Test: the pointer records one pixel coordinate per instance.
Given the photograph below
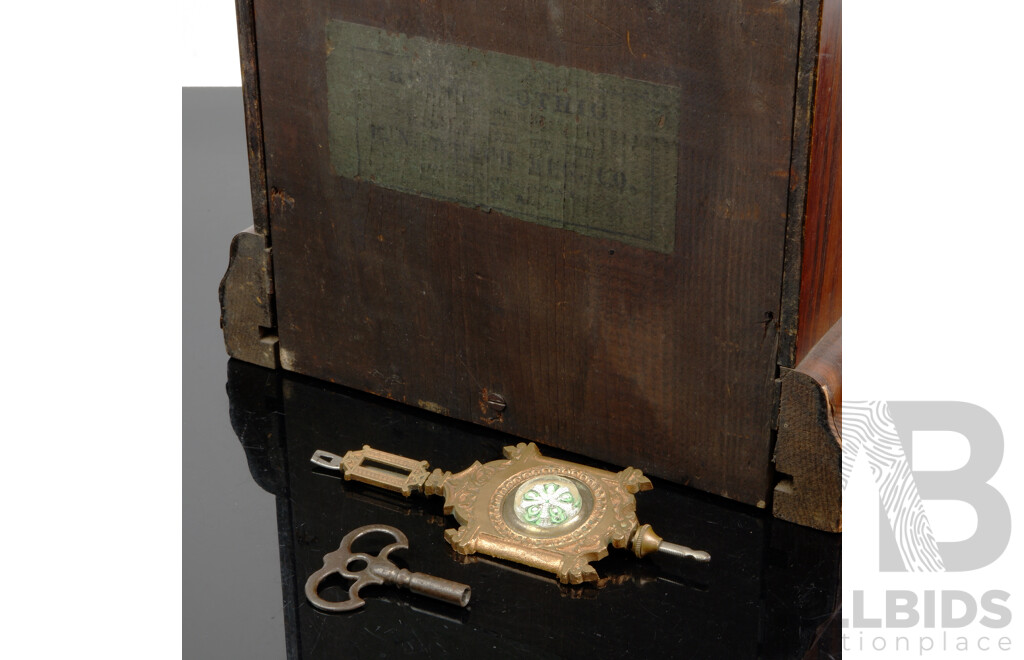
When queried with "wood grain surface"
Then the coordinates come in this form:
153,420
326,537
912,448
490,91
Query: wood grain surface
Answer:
661,361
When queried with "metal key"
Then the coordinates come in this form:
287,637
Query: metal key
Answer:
378,570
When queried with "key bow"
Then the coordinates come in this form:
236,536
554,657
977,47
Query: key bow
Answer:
378,568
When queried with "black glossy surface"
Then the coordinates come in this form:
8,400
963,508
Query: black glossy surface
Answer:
258,518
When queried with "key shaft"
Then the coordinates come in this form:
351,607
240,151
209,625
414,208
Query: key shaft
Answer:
431,586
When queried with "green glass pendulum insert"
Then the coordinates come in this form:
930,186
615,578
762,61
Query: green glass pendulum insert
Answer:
547,502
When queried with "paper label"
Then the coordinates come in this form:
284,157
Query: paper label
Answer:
588,152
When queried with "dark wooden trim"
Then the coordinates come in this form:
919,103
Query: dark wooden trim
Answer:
808,454
253,120
821,274
803,116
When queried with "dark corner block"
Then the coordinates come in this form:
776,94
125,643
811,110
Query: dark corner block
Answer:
246,302
808,454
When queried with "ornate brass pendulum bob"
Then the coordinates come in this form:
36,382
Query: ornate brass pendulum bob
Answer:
546,513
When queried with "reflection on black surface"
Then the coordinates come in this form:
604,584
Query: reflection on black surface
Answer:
769,591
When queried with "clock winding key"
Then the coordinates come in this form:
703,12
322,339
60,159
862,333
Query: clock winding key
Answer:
367,569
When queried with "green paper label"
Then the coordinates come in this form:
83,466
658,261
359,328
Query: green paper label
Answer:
588,152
